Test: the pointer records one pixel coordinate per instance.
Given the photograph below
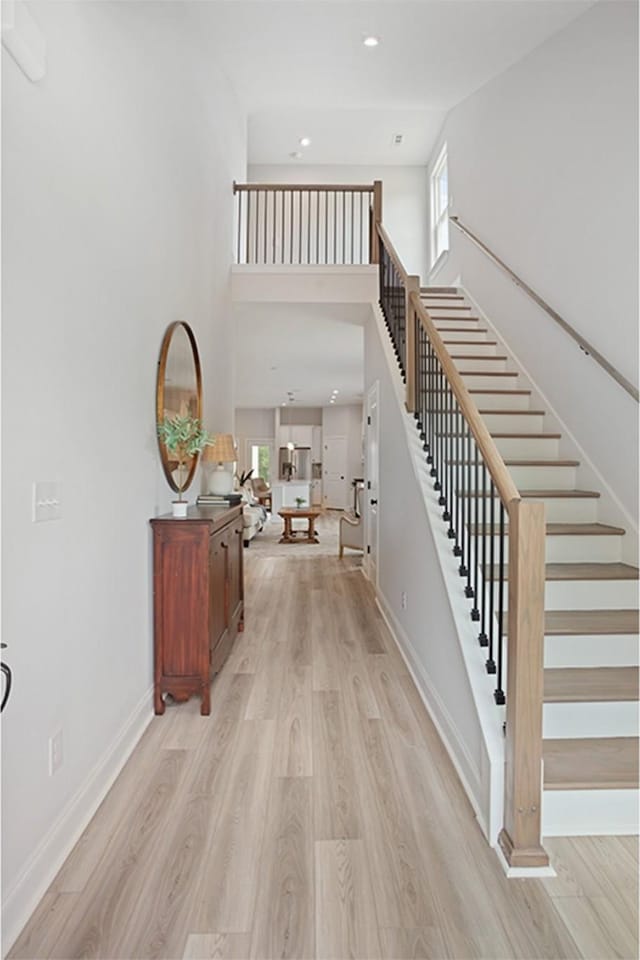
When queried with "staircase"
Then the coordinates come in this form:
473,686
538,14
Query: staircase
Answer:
590,715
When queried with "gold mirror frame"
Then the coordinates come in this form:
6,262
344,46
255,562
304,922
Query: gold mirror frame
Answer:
160,397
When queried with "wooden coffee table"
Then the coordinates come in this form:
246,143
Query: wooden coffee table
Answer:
299,536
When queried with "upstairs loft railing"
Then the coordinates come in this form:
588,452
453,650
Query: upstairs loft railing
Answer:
498,540
310,224
584,344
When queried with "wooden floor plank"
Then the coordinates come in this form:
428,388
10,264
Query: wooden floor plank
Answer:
335,794
217,946
284,920
294,724
346,920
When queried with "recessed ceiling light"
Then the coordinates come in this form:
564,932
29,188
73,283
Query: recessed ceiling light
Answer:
371,41
335,391
295,155
305,142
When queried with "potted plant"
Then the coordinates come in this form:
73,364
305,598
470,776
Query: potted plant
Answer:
300,502
184,438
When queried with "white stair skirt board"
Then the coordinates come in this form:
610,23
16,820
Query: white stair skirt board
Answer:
582,813
562,721
601,650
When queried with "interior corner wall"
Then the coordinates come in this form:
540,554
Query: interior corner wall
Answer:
543,167
404,200
346,421
117,220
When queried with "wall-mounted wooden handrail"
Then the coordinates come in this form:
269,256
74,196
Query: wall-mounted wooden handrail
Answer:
584,344
506,488
303,187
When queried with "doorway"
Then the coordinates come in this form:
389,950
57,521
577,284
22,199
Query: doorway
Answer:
334,473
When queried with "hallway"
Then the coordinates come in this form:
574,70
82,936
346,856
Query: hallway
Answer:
315,813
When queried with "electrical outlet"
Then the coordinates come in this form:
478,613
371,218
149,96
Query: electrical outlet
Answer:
55,753
404,600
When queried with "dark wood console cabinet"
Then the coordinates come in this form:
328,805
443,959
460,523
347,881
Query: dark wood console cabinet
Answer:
198,599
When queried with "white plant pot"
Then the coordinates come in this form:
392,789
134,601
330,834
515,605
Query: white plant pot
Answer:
180,508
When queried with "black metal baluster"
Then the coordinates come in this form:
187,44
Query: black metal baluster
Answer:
468,494
475,613
445,493
499,692
491,663
432,407
457,551
482,636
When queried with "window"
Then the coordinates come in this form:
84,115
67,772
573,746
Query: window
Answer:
261,461
439,207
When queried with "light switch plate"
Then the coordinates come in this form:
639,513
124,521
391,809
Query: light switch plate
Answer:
47,500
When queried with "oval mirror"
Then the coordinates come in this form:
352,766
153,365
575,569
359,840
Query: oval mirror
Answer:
178,393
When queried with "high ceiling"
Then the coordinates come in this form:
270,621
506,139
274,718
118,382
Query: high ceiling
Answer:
301,69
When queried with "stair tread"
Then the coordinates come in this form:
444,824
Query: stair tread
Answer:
476,356
490,392
488,373
590,622
439,318
455,306
583,571
561,530
469,343
591,763
513,413
542,463
463,329
435,290
590,684
538,494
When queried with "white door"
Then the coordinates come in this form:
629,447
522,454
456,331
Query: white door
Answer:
334,473
371,485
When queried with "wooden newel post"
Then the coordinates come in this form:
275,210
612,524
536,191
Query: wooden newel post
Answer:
413,286
520,838
376,219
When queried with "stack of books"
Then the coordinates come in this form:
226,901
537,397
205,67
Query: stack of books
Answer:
214,499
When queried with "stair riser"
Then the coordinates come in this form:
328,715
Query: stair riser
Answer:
574,549
617,650
581,720
559,509
461,321
487,382
478,336
534,448
478,349
588,595
579,813
507,401
591,595
485,364
544,478
513,423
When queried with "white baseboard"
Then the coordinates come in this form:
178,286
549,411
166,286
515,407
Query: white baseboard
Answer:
464,766
38,873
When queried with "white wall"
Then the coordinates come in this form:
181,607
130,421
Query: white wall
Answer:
346,421
117,204
543,166
404,200
435,630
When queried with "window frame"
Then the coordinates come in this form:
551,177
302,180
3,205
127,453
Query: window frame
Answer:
438,215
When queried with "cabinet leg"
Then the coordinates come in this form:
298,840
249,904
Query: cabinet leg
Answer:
205,708
241,624
158,702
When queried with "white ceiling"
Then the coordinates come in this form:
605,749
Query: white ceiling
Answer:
300,68
310,349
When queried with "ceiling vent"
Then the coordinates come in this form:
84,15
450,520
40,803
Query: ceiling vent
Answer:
397,140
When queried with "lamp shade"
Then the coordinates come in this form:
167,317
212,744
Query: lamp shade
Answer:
223,451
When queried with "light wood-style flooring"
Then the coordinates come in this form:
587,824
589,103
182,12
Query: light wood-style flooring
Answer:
315,813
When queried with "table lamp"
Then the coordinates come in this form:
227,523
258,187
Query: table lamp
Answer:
222,453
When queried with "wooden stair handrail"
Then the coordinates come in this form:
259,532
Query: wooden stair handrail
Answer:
506,488
584,344
304,187
391,250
